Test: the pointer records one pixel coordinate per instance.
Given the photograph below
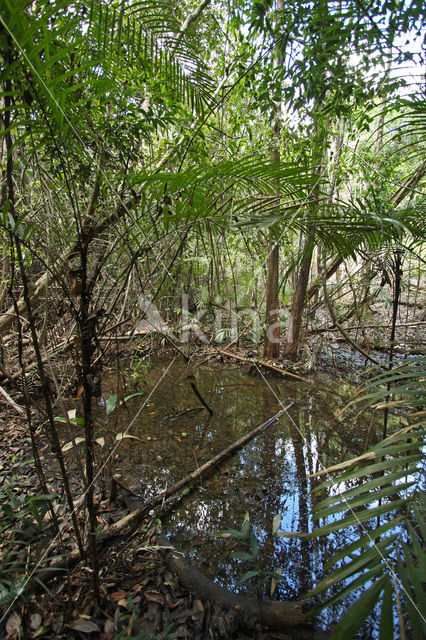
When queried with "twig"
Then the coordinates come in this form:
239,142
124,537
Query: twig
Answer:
200,398
8,399
261,363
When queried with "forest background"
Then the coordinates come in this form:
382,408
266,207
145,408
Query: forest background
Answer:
244,175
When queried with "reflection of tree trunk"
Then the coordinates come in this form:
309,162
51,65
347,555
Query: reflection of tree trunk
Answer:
272,502
303,489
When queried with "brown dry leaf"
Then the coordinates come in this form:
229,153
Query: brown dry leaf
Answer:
35,621
84,626
123,603
109,627
117,595
13,624
154,596
198,607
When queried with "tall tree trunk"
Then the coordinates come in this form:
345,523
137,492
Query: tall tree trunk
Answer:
318,164
291,350
271,345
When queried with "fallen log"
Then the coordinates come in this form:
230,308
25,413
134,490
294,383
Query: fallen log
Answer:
261,363
276,615
130,521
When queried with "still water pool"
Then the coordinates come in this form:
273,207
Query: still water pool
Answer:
268,477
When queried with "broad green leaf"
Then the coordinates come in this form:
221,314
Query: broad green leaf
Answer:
253,546
134,395
246,525
111,403
79,421
241,555
36,513
248,575
274,581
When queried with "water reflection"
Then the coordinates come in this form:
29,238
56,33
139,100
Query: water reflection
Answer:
270,475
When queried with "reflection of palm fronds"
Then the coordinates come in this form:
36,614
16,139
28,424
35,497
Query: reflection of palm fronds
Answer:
378,499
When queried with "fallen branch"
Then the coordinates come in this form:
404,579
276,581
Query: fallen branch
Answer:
200,398
261,363
273,614
131,520
12,403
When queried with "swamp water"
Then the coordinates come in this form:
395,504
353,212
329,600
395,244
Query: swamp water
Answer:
269,475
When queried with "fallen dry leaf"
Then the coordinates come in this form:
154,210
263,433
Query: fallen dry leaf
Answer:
35,621
117,595
154,596
84,626
13,624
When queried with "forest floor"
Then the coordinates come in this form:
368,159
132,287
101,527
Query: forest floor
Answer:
140,597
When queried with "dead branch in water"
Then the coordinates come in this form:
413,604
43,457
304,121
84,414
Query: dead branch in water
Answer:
131,519
262,363
200,398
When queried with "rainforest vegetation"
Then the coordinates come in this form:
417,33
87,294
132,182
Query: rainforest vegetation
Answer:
201,199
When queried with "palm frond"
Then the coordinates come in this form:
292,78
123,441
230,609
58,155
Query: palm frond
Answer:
378,500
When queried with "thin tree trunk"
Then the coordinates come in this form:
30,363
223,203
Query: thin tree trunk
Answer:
291,350
271,345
